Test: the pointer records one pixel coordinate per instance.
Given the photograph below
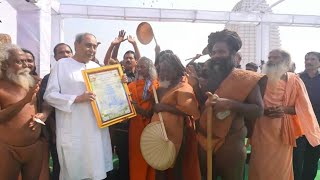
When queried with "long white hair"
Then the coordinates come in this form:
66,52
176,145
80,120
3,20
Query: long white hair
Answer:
22,77
151,68
5,53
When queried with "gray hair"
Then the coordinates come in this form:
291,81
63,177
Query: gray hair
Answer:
284,54
5,50
80,36
151,68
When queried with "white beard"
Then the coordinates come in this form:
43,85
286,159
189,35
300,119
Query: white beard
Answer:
22,78
275,72
164,83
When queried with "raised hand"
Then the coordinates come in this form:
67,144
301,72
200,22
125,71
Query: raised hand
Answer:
157,49
122,33
131,39
117,41
31,95
120,38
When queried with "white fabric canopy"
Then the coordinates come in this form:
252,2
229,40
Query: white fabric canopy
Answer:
39,26
180,15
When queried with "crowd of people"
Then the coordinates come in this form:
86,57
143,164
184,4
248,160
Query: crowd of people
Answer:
277,110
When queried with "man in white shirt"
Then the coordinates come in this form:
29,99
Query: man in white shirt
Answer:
84,149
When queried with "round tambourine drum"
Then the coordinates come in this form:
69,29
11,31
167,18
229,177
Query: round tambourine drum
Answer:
144,33
158,152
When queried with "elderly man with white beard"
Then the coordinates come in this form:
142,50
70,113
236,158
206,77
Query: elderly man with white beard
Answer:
288,114
21,147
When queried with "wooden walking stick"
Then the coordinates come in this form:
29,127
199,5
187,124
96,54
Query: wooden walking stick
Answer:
209,143
211,97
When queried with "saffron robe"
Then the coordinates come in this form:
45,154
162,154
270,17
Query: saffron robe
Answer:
273,139
180,129
236,86
139,169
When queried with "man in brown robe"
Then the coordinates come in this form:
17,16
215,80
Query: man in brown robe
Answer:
179,109
239,94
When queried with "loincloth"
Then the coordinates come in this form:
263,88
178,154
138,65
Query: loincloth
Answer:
21,154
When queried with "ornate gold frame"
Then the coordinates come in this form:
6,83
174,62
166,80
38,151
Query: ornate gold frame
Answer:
87,74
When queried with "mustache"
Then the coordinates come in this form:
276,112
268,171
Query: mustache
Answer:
21,78
307,64
222,63
24,71
219,60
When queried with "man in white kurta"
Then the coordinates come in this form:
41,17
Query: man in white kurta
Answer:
83,148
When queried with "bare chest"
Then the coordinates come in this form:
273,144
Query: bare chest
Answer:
10,95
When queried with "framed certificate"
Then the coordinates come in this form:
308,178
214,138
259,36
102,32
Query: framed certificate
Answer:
113,102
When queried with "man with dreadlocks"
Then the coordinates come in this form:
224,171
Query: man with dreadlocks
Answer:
179,109
142,97
239,97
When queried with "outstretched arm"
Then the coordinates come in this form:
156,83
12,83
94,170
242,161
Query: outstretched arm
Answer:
114,46
121,35
157,50
135,46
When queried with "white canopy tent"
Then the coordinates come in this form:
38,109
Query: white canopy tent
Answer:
40,25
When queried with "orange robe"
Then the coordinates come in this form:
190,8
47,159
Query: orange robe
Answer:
180,130
236,86
273,139
139,169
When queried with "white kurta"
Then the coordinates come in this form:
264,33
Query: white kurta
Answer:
84,149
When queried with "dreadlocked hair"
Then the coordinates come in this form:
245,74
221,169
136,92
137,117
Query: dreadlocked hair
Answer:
173,60
232,39
156,62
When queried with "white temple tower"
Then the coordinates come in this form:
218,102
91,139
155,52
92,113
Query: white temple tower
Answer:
253,35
